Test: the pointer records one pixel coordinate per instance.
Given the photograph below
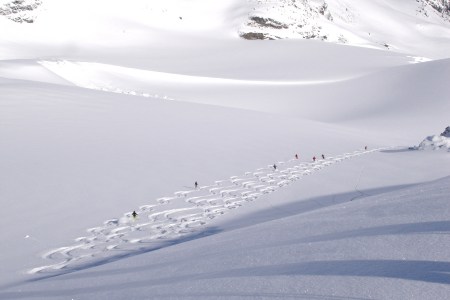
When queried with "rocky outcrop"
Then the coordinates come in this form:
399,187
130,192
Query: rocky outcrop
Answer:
436,142
20,11
446,132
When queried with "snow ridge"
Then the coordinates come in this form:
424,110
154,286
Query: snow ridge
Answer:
180,215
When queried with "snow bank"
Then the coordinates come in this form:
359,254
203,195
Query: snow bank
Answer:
437,142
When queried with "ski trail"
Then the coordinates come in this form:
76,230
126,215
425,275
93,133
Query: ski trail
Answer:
183,213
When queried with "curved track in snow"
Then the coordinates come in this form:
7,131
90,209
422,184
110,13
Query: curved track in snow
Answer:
183,214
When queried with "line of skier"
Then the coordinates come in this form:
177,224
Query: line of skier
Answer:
134,214
275,166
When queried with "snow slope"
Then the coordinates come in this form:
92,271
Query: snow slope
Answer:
414,27
122,112
64,140
333,99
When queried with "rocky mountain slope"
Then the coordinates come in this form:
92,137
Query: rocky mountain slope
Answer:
374,24
417,27
20,11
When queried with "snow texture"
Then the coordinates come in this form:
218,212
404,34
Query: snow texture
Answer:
275,169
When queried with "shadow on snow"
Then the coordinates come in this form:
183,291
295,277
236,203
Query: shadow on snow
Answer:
308,205
427,271
128,253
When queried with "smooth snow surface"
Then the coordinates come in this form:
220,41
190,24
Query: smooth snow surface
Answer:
308,184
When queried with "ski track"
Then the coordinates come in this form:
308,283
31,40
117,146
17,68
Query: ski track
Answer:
183,213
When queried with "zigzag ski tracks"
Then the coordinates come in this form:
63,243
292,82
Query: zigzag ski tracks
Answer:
182,214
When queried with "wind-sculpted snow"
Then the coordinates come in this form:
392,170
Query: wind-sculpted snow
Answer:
182,214
436,142
140,82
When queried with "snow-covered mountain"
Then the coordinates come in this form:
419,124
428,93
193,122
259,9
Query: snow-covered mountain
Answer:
275,169
394,25
418,27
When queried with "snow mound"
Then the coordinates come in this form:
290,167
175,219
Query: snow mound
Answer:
437,142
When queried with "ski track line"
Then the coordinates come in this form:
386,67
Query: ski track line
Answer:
194,208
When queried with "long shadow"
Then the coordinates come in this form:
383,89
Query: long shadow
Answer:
280,211
425,271
191,295
411,228
399,150
305,206
259,217
148,283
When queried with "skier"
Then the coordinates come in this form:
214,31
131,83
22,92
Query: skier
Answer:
323,156
275,167
134,214
196,184
296,156
365,148
314,158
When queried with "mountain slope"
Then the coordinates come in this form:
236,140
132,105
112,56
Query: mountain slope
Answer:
308,186
419,27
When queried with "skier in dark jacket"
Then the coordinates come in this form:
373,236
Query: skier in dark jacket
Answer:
323,156
134,214
296,156
314,158
275,167
196,184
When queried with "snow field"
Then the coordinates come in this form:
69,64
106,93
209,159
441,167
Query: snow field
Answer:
180,215
86,134
335,99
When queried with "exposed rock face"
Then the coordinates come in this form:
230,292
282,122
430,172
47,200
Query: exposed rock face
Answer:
256,36
20,11
441,6
268,22
446,132
308,18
